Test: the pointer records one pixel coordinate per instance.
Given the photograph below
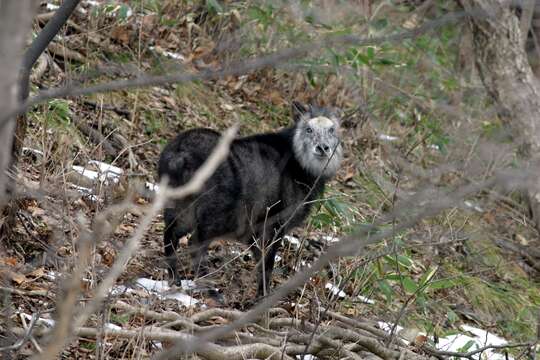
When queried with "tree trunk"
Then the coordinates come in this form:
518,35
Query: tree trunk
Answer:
505,71
38,46
15,20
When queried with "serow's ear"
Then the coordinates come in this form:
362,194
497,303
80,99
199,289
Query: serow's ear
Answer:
336,114
298,109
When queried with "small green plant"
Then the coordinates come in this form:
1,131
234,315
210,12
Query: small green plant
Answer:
153,122
120,319
333,213
121,12
58,113
87,345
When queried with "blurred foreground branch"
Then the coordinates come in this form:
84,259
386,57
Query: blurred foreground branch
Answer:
15,21
406,216
71,319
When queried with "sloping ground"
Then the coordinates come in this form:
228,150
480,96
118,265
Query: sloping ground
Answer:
469,265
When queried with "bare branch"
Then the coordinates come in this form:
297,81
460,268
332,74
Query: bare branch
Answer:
68,299
48,33
61,337
349,246
211,352
470,354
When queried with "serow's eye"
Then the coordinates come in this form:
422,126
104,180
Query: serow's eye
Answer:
309,130
331,130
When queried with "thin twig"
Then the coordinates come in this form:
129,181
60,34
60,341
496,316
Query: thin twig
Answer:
470,354
26,336
348,246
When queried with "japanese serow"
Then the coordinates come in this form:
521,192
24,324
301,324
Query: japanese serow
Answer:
264,188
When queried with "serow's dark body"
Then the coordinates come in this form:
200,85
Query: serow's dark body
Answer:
261,191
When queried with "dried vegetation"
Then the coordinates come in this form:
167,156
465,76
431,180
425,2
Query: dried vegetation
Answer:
415,127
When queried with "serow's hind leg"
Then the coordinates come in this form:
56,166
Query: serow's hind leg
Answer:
199,253
171,237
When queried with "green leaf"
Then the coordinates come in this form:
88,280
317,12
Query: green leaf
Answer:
370,52
385,61
409,285
312,78
428,275
379,24
451,316
442,284
123,12
386,290
467,346
402,260
363,59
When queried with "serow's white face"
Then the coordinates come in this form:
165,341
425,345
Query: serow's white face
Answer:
316,143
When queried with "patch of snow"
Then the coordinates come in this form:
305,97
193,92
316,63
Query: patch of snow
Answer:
161,90
91,174
481,338
113,11
473,206
107,169
385,137
153,285
120,289
181,298
486,337
82,189
277,258
387,327
293,304
161,287
303,264
85,191
110,326
366,300
335,290
330,239
32,151
167,53
293,240
174,55
106,172
47,322
52,7
40,321
52,275
306,357
91,2
188,284
457,342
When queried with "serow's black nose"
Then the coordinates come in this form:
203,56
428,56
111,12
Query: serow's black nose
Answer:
322,149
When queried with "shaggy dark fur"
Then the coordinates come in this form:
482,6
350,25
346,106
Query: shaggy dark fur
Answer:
263,189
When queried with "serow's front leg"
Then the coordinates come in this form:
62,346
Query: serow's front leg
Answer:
265,269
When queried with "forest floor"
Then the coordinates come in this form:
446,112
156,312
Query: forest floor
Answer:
472,266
